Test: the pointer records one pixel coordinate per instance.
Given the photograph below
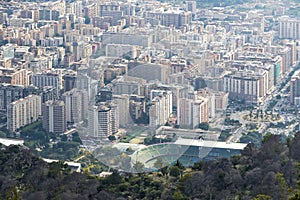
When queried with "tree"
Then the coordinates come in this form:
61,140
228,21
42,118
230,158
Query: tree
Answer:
112,138
262,197
138,167
159,163
87,20
175,171
165,170
114,178
178,196
204,125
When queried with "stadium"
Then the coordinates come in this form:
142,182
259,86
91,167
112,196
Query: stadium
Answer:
186,151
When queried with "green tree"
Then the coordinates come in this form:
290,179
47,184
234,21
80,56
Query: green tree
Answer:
114,179
178,196
175,171
138,167
87,20
262,197
204,125
112,137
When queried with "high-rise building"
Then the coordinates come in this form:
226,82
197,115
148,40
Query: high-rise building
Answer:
103,120
23,112
192,112
88,84
47,79
143,40
8,51
54,118
69,82
161,107
10,93
76,104
75,8
295,89
122,101
247,85
127,85
14,76
109,10
151,72
289,28
221,101
191,6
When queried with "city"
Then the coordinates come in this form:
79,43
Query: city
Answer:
136,86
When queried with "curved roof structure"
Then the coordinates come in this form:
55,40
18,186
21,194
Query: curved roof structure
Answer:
187,151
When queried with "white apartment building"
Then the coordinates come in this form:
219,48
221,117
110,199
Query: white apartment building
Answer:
248,86
76,103
103,120
161,107
289,28
47,79
23,112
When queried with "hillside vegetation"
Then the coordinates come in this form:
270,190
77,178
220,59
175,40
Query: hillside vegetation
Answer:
270,172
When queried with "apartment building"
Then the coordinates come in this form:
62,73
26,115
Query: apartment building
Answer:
23,112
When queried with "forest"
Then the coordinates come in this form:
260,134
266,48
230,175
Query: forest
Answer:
268,172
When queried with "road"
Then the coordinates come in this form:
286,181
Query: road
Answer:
237,134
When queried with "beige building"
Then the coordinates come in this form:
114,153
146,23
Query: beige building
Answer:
192,112
221,101
23,112
76,103
14,76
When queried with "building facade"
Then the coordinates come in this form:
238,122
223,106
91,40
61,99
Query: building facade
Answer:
23,112
54,117
103,120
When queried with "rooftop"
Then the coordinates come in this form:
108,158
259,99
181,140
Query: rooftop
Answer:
212,144
8,142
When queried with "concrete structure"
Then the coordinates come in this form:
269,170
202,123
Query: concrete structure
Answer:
161,107
54,117
10,93
14,76
247,85
186,151
47,79
127,85
151,72
23,112
289,28
76,104
103,120
295,89
8,142
126,38
122,101
192,112
122,51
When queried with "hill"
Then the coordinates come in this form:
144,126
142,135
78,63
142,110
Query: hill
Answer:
268,172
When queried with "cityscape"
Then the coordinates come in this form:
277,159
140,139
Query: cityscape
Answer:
138,86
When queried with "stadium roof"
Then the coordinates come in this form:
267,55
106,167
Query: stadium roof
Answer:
210,144
8,142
